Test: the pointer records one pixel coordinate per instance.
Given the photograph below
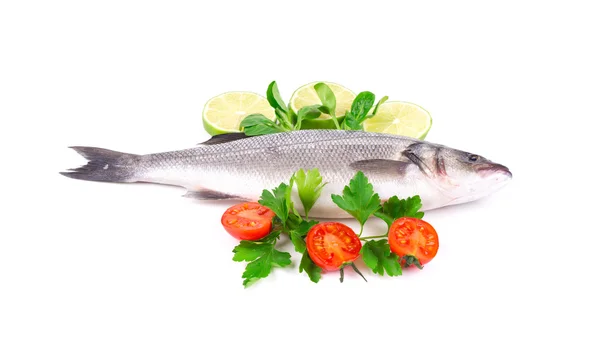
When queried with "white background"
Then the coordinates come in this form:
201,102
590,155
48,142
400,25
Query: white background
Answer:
516,82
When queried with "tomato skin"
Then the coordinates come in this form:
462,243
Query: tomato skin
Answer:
330,245
412,236
248,221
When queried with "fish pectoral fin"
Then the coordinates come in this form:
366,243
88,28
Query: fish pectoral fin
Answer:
381,166
225,138
205,194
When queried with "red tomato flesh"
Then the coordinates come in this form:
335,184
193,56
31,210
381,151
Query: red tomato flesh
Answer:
411,236
248,221
332,244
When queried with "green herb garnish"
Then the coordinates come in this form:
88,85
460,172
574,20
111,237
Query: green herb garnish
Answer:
262,256
287,120
262,253
359,111
309,184
358,199
378,256
396,208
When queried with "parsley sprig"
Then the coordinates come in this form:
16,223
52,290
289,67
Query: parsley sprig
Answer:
288,120
262,254
378,256
396,208
358,198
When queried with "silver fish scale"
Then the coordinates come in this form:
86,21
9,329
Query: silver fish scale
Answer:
274,158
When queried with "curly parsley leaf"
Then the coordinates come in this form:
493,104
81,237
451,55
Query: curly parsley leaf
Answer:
261,267
278,200
262,256
305,226
298,232
298,242
378,256
250,250
309,184
358,199
396,208
308,266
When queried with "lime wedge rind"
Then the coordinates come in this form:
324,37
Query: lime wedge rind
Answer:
401,118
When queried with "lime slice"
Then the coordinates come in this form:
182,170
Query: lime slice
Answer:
306,95
224,113
400,118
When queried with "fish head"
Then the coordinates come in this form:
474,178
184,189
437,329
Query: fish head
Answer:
463,176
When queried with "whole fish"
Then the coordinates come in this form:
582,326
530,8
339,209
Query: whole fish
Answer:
233,166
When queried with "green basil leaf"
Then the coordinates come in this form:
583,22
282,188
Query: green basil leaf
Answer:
308,266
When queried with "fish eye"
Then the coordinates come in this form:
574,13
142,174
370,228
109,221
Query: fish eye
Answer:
473,157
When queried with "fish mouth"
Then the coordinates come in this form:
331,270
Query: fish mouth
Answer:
492,168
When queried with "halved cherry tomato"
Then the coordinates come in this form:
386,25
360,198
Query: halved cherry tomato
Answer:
411,237
248,221
332,244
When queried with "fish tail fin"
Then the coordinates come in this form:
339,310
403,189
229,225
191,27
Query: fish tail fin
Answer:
105,165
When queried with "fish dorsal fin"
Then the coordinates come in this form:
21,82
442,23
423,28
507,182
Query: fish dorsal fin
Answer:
224,138
381,166
204,194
